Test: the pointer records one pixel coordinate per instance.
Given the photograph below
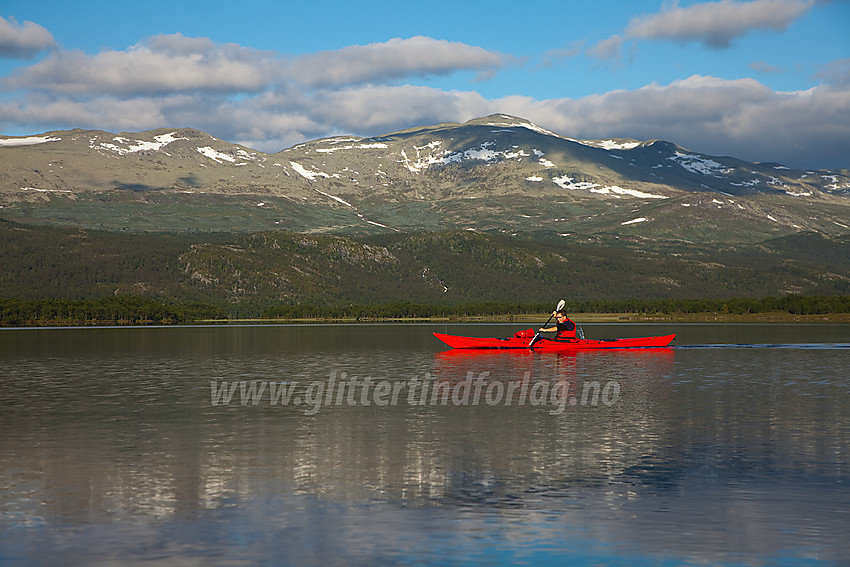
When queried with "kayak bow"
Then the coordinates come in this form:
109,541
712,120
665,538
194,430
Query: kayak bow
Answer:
546,344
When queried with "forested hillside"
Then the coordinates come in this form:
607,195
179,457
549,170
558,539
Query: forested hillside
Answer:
248,274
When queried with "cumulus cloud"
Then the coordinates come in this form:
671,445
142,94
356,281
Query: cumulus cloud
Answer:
23,41
175,63
714,24
166,64
242,94
108,113
608,48
379,62
269,102
742,118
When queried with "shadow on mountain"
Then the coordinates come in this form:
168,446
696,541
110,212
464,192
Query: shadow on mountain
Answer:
190,180
136,187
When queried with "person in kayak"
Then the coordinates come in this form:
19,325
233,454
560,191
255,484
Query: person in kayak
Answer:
564,327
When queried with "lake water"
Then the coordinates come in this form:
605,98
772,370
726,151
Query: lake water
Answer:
370,445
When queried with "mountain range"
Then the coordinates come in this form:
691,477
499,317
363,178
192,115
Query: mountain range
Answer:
497,173
495,209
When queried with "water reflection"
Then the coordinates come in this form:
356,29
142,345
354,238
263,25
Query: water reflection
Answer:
116,448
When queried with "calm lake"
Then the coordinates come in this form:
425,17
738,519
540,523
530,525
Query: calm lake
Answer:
371,445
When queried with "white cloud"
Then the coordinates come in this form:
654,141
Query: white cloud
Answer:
108,113
275,121
268,102
608,48
374,109
167,64
23,41
242,94
742,118
714,24
379,62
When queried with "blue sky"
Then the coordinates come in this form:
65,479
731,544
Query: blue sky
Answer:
763,80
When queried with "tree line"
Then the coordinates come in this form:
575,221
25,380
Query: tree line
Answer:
138,310
120,310
792,304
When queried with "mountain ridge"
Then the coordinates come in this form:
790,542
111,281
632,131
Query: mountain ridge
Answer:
494,173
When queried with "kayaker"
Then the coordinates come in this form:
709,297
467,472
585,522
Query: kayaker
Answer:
564,327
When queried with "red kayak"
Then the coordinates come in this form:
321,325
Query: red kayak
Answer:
550,345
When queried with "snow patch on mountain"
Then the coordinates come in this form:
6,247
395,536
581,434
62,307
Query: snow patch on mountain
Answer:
423,160
616,190
29,141
125,146
216,155
335,198
45,190
750,183
610,144
566,182
527,125
376,145
482,153
429,155
310,175
518,153
699,164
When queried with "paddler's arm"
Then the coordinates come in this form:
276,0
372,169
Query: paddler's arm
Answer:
549,329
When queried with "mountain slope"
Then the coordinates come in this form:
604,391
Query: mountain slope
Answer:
497,173
250,272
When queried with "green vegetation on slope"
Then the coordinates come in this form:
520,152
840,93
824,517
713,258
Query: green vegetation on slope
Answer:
791,304
134,310
125,310
245,274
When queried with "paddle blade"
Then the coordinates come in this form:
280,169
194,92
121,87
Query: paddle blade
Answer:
560,305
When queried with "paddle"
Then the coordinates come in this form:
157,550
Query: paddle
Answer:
537,334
